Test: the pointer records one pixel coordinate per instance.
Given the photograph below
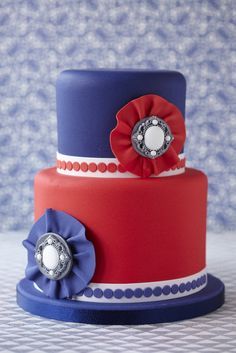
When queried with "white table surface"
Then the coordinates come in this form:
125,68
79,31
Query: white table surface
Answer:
22,332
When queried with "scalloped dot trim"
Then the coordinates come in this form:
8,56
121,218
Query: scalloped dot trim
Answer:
146,292
102,167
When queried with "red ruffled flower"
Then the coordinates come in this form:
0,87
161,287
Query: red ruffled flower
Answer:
121,137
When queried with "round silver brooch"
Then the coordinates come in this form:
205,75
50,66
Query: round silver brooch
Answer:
53,256
151,137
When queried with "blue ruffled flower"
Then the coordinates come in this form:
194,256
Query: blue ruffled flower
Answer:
81,255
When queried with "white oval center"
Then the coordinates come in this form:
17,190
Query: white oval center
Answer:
50,257
154,138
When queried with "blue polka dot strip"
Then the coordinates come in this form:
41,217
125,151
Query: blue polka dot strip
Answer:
170,290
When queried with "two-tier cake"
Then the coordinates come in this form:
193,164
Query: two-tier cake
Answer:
120,223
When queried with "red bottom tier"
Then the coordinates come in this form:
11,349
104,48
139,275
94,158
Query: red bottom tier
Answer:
143,230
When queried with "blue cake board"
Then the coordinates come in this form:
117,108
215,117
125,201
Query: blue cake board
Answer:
207,300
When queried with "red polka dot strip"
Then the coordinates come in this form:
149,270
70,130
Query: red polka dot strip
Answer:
69,166
76,166
121,169
102,167
92,167
84,167
112,167
63,165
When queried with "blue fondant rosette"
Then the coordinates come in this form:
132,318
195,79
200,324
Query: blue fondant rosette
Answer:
61,260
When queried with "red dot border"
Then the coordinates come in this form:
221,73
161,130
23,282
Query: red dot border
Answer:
102,167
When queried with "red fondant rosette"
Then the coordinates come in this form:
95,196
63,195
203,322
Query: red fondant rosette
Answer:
128,116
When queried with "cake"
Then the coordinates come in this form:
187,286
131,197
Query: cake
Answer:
120,222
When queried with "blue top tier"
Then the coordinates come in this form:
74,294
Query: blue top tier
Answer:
87,103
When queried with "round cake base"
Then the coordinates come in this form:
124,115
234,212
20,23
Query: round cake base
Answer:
207,300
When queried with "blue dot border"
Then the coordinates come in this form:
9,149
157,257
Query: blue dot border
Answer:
148,292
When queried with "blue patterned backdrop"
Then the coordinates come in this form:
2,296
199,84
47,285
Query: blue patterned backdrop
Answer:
40,38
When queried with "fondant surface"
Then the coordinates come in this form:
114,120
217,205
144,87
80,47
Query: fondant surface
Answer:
143,230
87,103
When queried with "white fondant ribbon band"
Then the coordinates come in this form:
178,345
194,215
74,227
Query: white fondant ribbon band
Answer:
142,292
104,167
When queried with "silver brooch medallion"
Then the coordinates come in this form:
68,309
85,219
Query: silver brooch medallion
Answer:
53,256
151,137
